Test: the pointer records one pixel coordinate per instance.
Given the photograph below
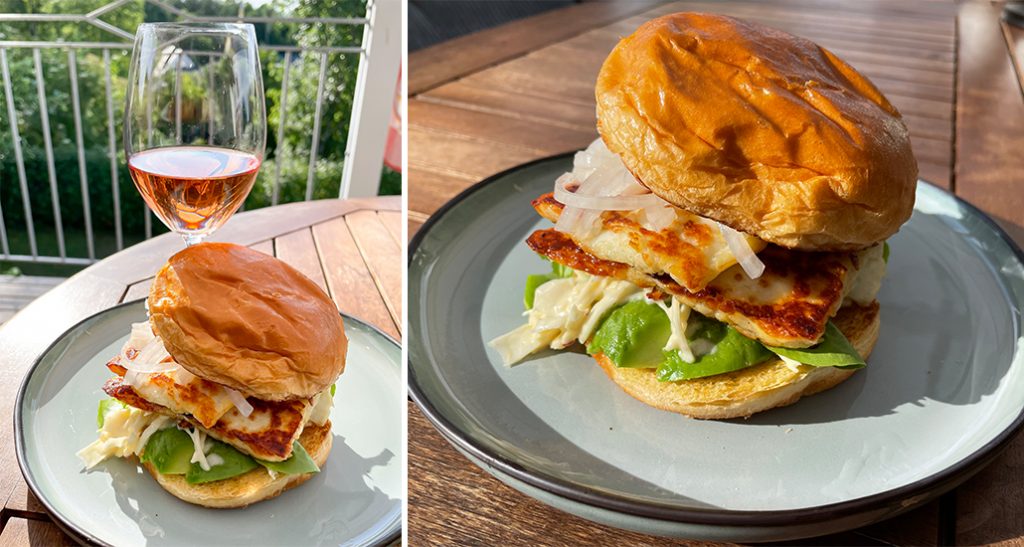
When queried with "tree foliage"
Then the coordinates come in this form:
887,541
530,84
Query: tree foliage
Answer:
289,157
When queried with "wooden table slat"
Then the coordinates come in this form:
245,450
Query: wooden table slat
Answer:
437,189
20,532
447,61
138,290
298,250
265,247
393,222
380,252
1015,41
348,276
461,156
935,173
504,130
22,501
550,110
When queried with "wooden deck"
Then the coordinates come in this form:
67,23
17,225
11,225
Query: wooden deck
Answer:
18,291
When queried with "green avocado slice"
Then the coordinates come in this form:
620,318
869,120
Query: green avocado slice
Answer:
632,335
834,350
731,351
235,463
299,462
170,451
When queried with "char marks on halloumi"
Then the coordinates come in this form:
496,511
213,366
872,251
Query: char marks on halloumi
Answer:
789,305
181,391
691,249
267,434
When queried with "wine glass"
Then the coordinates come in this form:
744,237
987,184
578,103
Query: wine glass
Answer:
194,122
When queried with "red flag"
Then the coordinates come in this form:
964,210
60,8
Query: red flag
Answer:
393,148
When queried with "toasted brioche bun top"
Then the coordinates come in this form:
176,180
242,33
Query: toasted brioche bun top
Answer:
760,130
244,319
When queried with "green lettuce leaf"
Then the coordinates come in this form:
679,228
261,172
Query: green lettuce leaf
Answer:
533,281
106,405
834,350
559,270
885,252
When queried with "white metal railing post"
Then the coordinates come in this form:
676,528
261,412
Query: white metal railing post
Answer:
373,99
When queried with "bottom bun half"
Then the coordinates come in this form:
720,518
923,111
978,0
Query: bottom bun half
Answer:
256,485
755,389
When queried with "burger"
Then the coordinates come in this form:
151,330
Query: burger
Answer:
224,395
719,248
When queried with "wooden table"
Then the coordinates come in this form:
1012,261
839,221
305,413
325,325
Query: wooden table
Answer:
492,100
351,248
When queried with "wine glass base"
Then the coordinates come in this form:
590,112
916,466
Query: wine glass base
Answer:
192,239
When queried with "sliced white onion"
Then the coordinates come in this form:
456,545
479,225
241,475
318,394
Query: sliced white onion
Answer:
141,335
600,199
151,359
199,448
578,222
741,250
659,217
237,399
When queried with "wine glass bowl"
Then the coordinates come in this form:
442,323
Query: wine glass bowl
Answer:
195,122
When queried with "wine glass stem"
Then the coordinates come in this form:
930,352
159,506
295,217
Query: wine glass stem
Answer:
192,239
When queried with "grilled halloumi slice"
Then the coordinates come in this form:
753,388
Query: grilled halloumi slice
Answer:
691,249
180,391
789,305
267,433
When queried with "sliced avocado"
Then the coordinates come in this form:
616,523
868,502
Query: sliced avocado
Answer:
334,387
633,335
300,462
106,405
732,351
834,350
169,450
235,463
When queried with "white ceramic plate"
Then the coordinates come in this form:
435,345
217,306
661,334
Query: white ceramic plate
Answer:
356,499
943,390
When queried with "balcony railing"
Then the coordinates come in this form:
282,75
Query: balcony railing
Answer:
372,99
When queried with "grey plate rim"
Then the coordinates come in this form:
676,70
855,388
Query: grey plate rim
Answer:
897,500
62,522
